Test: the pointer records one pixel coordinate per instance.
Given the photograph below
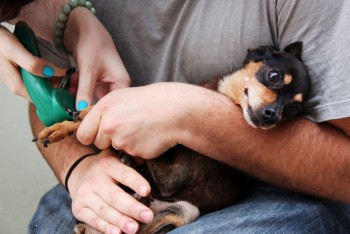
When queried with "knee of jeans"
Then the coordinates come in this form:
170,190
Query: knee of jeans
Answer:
317,216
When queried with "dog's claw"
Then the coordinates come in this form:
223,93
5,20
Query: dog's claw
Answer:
46,142
35,139
75,115
146,201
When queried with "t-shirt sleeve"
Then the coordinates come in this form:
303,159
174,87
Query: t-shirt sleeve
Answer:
323,26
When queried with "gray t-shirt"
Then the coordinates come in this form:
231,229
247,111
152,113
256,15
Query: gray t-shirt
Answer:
195,40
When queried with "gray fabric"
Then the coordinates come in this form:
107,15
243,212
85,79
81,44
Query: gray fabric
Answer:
195,40
323,26
51,54
192,41
186,41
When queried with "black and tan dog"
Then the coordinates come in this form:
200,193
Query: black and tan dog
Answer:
271,86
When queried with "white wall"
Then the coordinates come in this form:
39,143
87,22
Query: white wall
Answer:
24,174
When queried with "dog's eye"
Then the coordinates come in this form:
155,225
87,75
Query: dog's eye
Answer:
274,75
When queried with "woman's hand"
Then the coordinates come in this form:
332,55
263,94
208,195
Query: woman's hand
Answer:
12,55
100,202
101,69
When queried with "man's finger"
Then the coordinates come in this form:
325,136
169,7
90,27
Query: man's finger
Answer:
90,217
112,215
88,128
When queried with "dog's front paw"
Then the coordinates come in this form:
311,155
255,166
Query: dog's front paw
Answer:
61,130
57,132
83,228
169,215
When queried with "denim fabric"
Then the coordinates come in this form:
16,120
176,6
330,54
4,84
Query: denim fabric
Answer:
273,210
265,210
53,214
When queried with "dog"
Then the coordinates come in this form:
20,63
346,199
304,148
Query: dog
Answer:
271,86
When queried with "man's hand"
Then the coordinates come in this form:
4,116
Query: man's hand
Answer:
100,202
144,121
93,184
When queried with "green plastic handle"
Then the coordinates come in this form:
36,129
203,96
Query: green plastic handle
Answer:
52,105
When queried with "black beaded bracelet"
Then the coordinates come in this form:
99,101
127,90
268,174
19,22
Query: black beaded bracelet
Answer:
75,164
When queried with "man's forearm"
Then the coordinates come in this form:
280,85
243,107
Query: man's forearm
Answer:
298,155
61,155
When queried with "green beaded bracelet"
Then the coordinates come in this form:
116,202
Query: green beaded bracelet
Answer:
62,19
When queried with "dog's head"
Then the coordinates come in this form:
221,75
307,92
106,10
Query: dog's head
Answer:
271,86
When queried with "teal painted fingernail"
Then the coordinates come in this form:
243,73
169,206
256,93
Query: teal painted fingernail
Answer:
48,71
82,105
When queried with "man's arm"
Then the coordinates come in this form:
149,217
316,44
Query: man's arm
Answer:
342,124
61,156
299,155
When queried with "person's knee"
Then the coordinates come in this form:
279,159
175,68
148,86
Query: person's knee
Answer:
312,217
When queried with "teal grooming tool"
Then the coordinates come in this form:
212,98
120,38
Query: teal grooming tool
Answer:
53,105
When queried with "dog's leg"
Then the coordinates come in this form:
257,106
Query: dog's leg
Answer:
169,215
61,130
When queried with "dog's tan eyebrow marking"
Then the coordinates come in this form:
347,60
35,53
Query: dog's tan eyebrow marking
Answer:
298,97
252,68
287,79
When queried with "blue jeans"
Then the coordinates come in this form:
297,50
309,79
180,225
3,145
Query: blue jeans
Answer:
264,210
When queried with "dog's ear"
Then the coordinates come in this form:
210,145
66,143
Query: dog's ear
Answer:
259,54
295,49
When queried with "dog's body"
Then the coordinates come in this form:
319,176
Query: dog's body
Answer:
271,86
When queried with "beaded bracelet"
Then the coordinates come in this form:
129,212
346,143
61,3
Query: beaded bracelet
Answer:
62,19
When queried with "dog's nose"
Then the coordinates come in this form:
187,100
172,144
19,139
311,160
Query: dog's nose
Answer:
269,115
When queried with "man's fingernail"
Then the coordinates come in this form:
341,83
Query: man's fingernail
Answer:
115,231
143,190
48,71
131,227
82,105
146,216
